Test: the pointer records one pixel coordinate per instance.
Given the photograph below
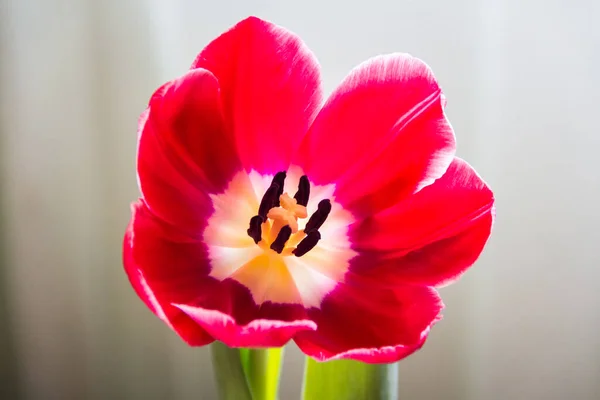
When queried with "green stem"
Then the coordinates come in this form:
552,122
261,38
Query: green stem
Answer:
262,368
350,380
231,380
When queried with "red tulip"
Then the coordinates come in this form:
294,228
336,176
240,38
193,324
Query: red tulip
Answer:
268,216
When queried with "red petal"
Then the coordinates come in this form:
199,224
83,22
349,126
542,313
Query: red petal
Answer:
382,133
270,85
257,333
184,150
161,270
430,238
169,271
370,323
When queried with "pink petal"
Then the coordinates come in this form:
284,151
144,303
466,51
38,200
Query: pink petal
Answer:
257,333
430,238
373,355
270,85
381,135
370,323
145,249
437,264
169,271
184,150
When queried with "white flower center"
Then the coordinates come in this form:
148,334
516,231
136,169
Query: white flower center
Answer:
278,277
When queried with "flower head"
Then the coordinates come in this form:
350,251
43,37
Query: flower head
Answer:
268,216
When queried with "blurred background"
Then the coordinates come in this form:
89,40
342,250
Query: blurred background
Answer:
523,89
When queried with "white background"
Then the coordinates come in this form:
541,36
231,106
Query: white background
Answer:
522,82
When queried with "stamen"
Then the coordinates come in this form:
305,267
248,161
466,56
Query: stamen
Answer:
303,192
268,200
279,179
280,213
319,216
255,230
307,244
282,237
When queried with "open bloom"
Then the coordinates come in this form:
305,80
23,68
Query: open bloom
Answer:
268,216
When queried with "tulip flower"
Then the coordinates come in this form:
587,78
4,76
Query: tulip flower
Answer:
267,215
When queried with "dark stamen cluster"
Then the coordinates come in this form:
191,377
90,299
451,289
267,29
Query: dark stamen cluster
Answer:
282,237
271,200
318,218
279,180
255,231
307,244
312,228
303,192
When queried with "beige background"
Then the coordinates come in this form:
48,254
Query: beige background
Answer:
523,87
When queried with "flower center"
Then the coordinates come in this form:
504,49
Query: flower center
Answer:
284,249
276,224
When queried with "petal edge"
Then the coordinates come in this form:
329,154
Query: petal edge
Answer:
256,333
